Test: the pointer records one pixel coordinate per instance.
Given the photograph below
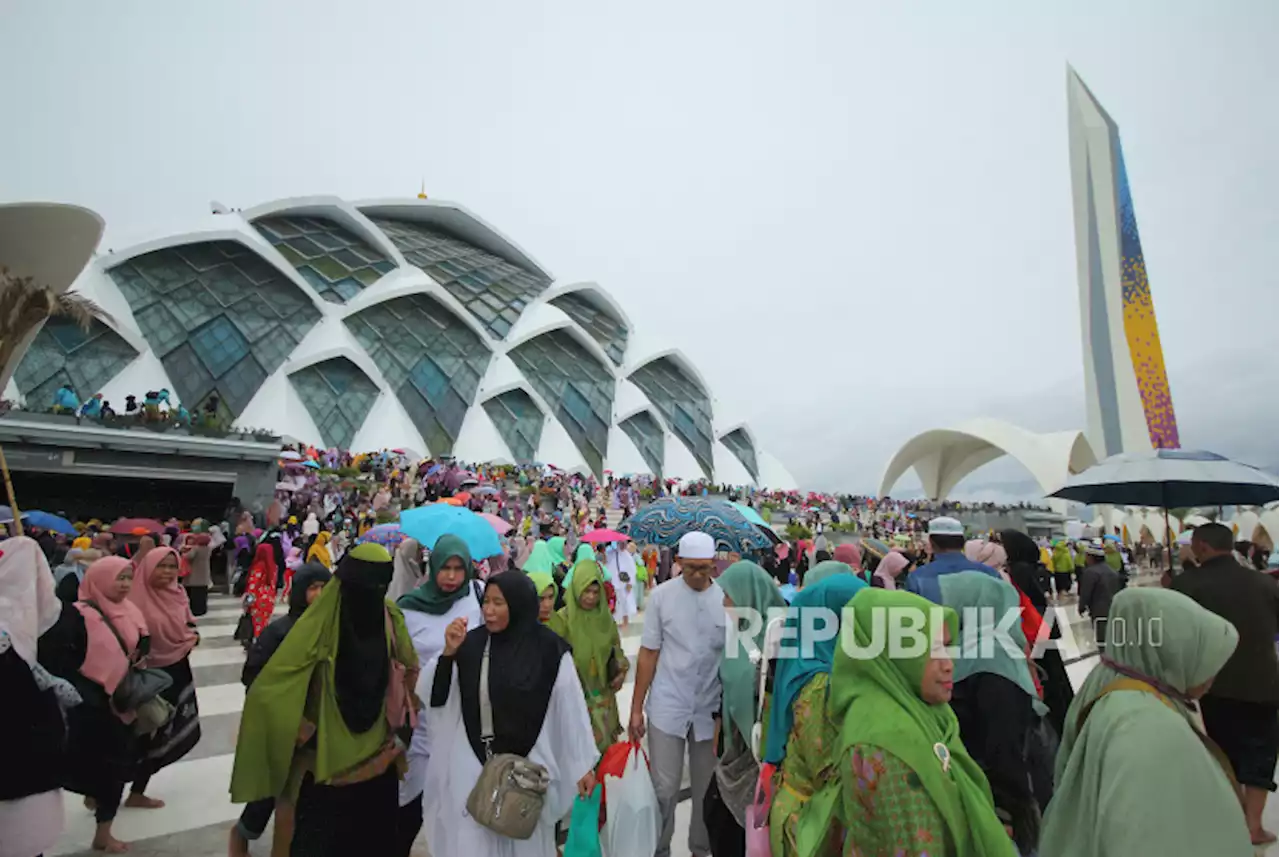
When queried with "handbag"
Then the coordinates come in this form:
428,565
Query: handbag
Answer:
139,691
508,796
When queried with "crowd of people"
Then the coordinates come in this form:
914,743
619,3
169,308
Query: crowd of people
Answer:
403,676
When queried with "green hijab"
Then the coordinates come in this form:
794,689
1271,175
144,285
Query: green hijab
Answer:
592,633
556,546
429,597
584,551
539,559
876,701
278,700
825,569
542,580
969,594
749,587
1139,758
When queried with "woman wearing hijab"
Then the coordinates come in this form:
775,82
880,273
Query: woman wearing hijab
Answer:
801,739
96,646
907,784
309,581
196,551
32,730
408,573
747,587
585,624
446,594
1135,775
622,567
850,553
260,594
320,550
548,593
995,698
538,712
167,614
319,721
824,570
889,569
67,577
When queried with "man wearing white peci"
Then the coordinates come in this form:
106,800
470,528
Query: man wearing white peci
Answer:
678,671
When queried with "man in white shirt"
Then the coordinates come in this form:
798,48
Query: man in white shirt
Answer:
678,670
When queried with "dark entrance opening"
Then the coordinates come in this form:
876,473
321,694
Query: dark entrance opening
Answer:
79,497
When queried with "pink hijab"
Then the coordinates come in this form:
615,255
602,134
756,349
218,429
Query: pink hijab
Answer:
889,568
987,553
104,661
167,612
850,554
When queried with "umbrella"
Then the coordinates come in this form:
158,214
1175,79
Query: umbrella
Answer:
484,489
130,526
769,533
290,455
500,526
750,514
387,535
428,523
603,535
313,465
877,547
47,521
1171,479
664,521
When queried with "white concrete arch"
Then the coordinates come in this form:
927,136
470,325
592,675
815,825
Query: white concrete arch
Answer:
542,319
411,281
942,457
596,294
457,220
678,357
333,208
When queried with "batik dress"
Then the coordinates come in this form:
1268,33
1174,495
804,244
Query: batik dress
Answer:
808,765
886,810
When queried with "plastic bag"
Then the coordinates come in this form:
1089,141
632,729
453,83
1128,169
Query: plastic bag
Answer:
631,828
757,816
584,835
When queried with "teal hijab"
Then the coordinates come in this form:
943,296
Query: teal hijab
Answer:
749,587
794,673
539,559
585,553
824,570
981,598
429,597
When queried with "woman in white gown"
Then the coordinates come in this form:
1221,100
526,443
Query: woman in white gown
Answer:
538,712
622,564
447,593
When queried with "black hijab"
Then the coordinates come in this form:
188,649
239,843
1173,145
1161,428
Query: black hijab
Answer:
1024,564
524,660
307,574
363,664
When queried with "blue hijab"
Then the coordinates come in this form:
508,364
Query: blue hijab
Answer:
793,674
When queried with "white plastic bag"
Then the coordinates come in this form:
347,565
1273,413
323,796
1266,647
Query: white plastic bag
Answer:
631,825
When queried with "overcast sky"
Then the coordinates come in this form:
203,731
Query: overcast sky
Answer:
855,217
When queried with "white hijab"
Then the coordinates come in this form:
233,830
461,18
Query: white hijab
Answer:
310,526
28,604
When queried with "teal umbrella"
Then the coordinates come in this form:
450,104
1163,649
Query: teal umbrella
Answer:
750,514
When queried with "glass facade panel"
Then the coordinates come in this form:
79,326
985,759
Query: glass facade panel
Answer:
430,357
602,326
740,445
683,404
219,318
519,422
578,388
333,259
62,353
338,396
485,284
646,434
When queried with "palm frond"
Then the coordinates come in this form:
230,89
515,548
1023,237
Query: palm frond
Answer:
24,305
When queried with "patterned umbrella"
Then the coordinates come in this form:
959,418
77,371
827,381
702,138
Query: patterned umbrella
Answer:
664,521
387,535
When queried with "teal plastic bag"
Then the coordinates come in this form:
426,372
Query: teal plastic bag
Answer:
584,827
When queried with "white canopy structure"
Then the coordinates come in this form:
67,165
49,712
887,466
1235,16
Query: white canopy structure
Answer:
942,457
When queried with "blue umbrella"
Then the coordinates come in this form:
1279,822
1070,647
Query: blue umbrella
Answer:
428,523
388,535
750,514
664,521
50,521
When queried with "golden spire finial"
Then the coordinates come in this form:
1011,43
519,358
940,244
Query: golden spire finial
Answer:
422,194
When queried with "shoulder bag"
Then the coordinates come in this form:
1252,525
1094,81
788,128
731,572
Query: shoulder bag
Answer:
508,796
139,691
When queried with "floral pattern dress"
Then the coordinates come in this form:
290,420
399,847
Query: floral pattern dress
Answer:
808,765
602,701
886,810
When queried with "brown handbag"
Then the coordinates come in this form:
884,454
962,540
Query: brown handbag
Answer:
508,796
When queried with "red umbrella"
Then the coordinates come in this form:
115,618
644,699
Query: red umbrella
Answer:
603,535
126,526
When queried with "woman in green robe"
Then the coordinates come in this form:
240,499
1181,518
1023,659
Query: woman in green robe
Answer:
316,730
587,625
1139,777
547,592
907,784
800,740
